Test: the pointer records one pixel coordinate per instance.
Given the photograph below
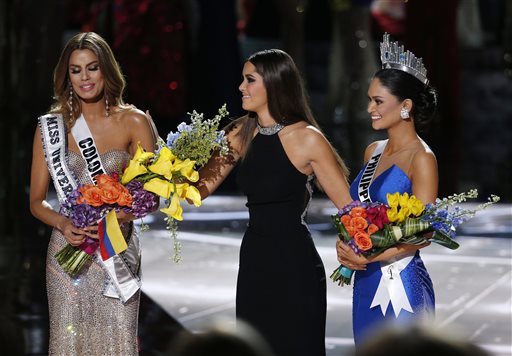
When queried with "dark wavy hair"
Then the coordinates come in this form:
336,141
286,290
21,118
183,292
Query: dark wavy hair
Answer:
405,86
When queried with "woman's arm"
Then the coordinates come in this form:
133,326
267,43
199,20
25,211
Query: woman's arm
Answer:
326,167
213,173
424,176
40,209
349,258
141,131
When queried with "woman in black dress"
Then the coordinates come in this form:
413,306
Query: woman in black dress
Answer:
281,288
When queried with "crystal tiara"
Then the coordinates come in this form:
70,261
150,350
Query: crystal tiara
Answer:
393,56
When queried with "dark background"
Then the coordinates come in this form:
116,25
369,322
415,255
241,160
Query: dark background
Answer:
181,55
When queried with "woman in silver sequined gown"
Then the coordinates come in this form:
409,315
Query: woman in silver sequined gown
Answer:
88,82
281,289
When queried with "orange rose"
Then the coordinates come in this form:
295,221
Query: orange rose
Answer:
125,198
363,241
372,229
91,194
359,223
346,220
110,192
105,179
351,231
358,212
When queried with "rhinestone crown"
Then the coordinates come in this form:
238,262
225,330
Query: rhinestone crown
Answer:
392,55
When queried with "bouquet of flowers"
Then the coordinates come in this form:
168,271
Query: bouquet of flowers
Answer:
87,204
171,170
370,228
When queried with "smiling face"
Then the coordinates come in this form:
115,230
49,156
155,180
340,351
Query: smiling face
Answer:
383,106
85,75
254,93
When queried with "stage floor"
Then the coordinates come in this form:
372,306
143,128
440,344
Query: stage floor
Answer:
473,284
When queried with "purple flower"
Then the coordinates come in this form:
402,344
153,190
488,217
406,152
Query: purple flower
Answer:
143,202
353,246
355,203
84,215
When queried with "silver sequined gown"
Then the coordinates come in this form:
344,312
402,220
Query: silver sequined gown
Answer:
82,320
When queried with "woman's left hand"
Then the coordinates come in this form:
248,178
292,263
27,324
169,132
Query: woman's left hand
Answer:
123,217
92,231
348,258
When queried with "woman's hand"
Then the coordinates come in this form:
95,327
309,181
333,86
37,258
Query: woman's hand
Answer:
123,217
348,258
92,231
73,235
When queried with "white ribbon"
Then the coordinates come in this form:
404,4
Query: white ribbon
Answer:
363,188
122,282
391,288
87,146
123,270
55,146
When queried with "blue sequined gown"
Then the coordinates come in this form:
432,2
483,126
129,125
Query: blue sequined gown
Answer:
416,280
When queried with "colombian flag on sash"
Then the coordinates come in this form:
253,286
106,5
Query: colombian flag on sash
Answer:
111,238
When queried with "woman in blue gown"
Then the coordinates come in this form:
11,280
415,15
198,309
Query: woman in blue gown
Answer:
394,286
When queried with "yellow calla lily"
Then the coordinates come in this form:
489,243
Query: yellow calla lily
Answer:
403,199
174,209
393,199
415,205
187,191
136,165
164,163
160,187
395,215
392,214
133,170
404,211
141,155
186,169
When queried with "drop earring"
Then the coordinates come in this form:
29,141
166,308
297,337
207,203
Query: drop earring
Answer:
107,108
404,113
70,100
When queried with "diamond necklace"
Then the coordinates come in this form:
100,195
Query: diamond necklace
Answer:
270,130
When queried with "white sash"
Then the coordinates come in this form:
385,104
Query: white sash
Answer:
363,188
87,147
391,288
123,270
55,147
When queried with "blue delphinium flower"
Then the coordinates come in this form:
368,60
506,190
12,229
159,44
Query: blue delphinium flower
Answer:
183,127
171,138
220,136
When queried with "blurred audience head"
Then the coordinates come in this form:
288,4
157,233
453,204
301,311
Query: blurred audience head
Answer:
417,341
223,339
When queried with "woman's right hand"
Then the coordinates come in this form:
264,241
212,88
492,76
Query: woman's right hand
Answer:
348,258
73,235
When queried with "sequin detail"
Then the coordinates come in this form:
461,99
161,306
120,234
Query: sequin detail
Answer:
310,191
271,130
82,320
